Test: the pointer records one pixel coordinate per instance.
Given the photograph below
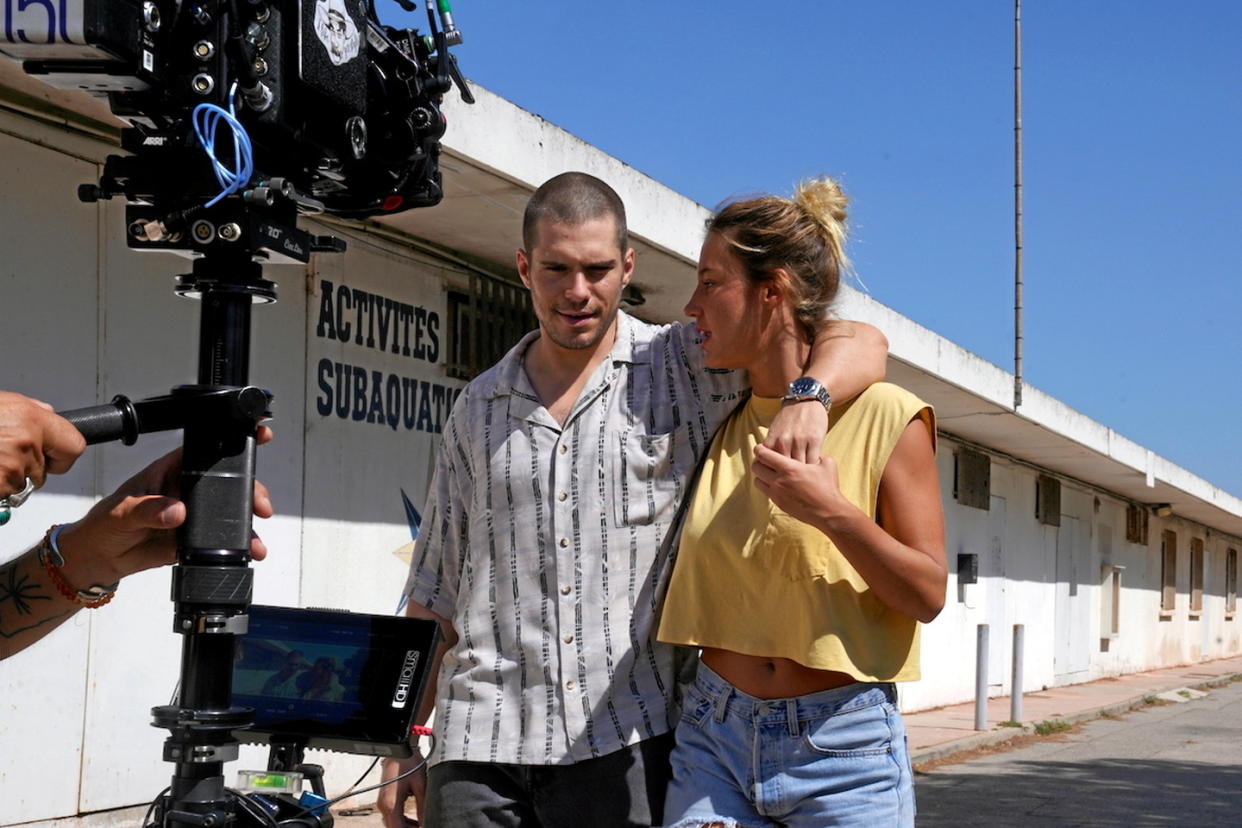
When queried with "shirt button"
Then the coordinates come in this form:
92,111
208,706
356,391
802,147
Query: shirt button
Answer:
564,448
565,590
561,497
570,685
569,639
564,542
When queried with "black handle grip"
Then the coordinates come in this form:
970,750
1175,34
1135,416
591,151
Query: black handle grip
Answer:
105,423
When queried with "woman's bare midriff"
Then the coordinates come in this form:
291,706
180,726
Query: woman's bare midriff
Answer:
771,678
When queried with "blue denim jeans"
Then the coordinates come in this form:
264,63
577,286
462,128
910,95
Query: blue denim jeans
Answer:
837,757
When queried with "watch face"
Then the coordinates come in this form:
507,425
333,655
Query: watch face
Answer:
804,387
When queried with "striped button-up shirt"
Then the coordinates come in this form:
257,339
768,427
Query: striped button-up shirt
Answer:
544,546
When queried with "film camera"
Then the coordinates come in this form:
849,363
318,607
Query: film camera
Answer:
245,115
294,106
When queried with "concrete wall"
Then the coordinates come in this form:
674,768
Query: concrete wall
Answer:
1052,580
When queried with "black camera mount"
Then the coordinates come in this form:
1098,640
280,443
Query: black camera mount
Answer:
212,581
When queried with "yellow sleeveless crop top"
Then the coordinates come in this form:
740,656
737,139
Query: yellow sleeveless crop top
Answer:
751,579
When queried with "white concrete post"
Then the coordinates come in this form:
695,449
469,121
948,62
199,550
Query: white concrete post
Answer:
1015,684
981,679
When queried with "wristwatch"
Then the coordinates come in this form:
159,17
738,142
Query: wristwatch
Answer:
807,388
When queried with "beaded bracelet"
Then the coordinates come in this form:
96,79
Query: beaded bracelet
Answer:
93,597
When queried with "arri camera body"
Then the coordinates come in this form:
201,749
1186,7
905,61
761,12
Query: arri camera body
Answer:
245,115
331,111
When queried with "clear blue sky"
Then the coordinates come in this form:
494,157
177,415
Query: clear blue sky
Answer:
1133,184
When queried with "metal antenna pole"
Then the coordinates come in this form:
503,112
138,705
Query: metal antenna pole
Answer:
1017,203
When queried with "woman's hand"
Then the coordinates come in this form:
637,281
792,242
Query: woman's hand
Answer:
900,554
809,491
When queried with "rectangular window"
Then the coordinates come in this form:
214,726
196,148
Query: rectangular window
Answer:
972,478
1136,524
485,323
1048,500
1168,570
1196,577
1231,582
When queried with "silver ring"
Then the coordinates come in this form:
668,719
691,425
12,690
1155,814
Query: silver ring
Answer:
18,498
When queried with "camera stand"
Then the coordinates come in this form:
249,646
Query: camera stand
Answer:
310,133
212,580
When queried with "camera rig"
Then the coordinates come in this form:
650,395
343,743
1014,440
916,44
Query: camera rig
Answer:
340,113
243,116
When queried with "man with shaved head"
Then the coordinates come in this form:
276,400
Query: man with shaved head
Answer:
544,548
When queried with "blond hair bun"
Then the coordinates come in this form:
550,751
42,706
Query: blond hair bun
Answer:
823,199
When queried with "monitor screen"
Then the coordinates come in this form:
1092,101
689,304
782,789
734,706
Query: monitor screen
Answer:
333,680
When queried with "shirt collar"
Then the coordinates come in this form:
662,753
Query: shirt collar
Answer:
511,375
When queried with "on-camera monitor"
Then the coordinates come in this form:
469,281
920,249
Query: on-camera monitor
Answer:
332,680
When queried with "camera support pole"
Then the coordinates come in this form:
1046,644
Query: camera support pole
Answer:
212,582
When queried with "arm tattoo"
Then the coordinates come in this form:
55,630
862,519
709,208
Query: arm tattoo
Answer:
51,619
17,592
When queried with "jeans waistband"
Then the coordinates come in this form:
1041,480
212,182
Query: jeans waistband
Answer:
728,700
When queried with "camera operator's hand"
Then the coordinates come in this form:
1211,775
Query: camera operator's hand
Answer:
34,442
392,798
128,531
131,529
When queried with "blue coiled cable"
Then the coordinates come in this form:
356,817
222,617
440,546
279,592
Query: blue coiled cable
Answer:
206,118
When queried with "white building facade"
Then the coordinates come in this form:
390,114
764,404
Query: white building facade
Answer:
1053,512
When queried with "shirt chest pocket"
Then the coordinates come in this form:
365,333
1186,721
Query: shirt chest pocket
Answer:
648,475
794,549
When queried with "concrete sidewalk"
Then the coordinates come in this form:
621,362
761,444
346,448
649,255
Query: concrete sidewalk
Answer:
944,731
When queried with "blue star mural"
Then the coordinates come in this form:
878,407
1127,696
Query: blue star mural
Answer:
411,515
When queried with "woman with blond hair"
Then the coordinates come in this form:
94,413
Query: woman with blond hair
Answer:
803,583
